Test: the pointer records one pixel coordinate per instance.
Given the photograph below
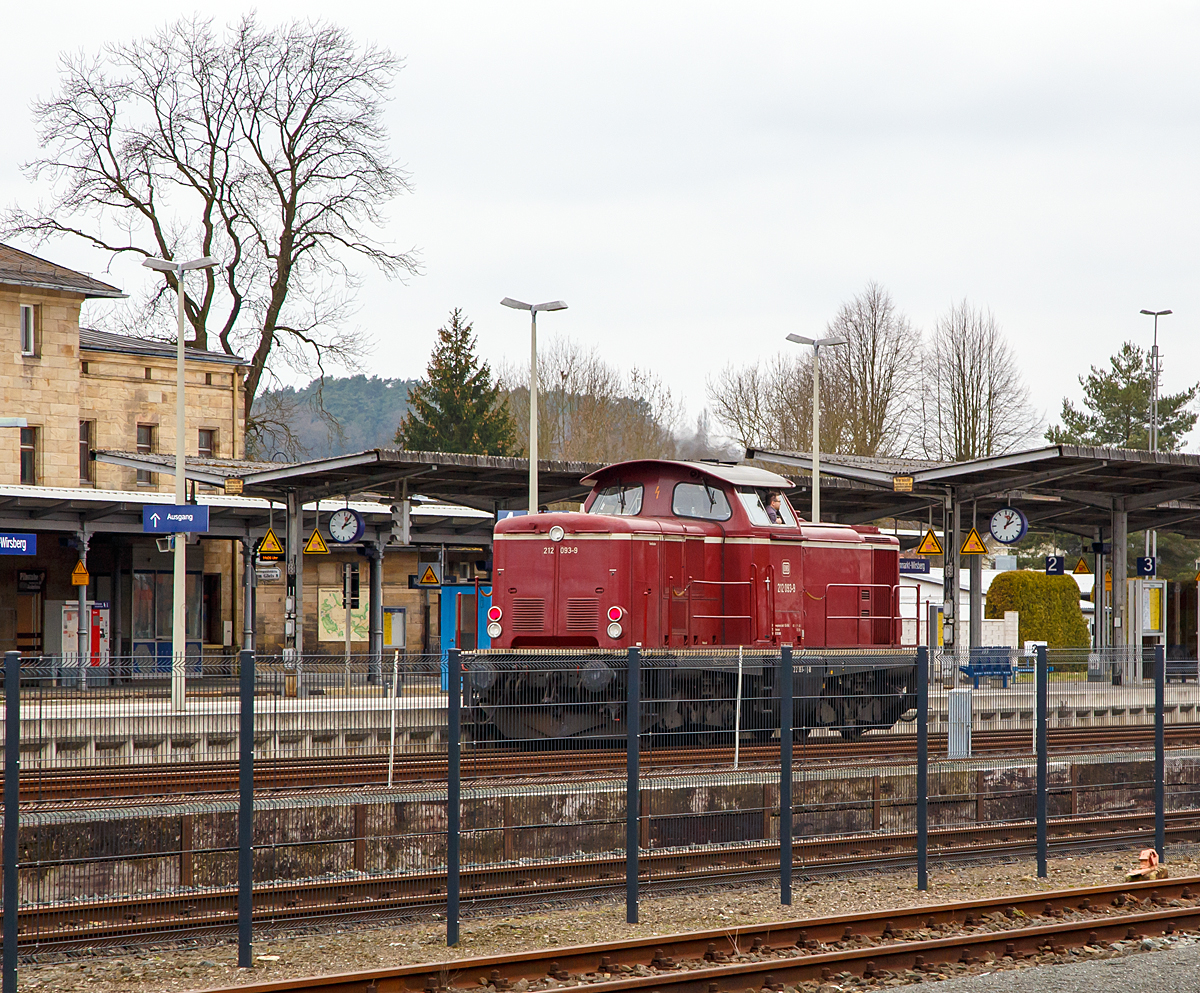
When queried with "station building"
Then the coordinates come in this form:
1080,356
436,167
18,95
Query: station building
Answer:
69,391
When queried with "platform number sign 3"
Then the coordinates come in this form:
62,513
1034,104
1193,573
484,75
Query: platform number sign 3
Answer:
1009,525
345,526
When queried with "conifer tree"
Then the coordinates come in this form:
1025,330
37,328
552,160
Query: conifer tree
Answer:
457,407
1116,408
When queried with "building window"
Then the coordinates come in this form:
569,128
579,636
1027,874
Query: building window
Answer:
207,447
29,440
85,367
208,379
29,330
148,373
86,466
145,446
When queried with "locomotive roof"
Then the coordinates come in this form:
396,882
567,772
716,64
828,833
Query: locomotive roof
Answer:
729,472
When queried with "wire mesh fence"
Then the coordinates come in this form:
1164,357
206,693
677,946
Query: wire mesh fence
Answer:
391,787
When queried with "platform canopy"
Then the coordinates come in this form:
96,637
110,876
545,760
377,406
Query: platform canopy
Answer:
484,482
1069,488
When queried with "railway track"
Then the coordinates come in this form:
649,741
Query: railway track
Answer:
303,773
912,944
380,897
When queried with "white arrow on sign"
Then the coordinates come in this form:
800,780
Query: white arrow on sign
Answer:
154,518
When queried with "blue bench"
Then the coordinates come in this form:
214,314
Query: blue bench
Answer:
988,669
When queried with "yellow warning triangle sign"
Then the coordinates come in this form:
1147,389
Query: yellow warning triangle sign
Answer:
1081,568
79,575
270,544
316,544
973,545
428,577
929,544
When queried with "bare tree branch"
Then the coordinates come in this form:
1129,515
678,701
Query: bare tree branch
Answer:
264,147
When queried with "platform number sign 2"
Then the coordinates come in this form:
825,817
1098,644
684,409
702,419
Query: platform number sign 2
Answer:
1056,565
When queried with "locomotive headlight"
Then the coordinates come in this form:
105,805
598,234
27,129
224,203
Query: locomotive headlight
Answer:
615,630
483,675
615,613
595,676
557,533
495,613
494,630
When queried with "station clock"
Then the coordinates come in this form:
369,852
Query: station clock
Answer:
1009,525
346,525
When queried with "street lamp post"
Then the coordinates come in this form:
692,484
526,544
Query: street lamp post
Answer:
533,309
1152,536
178,616
817,345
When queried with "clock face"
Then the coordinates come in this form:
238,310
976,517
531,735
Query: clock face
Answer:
345,525
1008,525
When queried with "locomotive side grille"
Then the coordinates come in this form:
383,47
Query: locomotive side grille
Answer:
528,614
582,614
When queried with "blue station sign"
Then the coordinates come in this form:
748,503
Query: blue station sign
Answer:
18,544
173,519
914,567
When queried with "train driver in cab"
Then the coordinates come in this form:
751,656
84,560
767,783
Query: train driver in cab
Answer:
774,505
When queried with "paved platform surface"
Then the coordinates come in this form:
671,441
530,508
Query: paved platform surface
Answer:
1170,970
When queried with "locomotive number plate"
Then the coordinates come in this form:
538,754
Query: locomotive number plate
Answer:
561,549
785,587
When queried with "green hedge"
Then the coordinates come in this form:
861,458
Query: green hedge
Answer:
1049,607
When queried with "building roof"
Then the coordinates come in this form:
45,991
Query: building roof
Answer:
486,482
18,268
104,341
1071,488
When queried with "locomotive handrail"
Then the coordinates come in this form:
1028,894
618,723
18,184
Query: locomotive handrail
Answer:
899,633
889,617
715,617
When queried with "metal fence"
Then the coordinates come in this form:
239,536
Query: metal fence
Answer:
374,788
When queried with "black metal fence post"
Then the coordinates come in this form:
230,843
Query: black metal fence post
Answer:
1042,720
786,713
633,723
1160,758
923,768
246,810
453,796
12,800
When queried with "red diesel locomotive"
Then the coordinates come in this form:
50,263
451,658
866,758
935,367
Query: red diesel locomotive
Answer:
676,556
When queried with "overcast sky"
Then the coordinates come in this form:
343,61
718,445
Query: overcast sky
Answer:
698,180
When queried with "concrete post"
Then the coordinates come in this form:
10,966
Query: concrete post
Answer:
953,539
976,567
295,571
248,582
85,617
375,609
1120,599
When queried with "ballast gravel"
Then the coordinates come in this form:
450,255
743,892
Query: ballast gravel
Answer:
358,947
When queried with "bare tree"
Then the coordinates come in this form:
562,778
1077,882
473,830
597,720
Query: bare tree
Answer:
588,410
974,403
264,148
769,404
879,365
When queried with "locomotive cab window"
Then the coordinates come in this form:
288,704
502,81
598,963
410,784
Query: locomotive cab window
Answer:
618,501
702,500
755,502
